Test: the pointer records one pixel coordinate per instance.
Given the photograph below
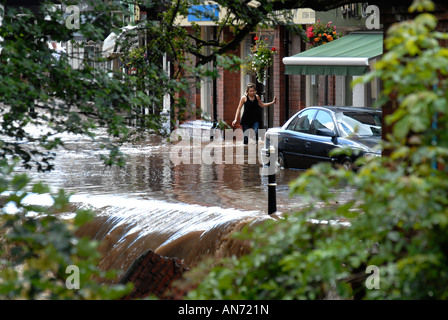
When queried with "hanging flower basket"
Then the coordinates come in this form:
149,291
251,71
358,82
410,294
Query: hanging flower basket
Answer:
320,33
262,57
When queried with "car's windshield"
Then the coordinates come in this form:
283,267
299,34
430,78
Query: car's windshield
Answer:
359,123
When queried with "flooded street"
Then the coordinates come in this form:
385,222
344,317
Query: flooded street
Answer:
149,174
183,210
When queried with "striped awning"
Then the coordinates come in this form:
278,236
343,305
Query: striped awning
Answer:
348,55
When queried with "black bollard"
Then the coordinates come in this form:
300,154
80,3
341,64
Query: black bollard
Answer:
272,198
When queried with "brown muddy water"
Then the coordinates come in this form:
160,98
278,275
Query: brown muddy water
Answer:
179,210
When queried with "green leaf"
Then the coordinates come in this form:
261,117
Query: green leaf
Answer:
83,216
20,181
40,188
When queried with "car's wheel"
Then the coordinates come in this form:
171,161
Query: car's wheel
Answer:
281,164
347,163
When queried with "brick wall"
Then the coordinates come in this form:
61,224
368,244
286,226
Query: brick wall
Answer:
279,78
229,90
327,90
290,90
297,83
229,83
229,94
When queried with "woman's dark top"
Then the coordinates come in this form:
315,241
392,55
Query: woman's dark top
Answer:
252,112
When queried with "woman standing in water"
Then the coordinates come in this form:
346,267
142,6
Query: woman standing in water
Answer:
252,111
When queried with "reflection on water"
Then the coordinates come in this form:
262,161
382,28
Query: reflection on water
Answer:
185,210
150,174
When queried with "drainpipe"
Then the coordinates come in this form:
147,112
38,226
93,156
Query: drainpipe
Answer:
286,43
326,90
215,95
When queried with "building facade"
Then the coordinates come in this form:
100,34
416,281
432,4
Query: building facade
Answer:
293,91
218,99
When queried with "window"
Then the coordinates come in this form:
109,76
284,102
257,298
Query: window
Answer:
302,122
359,123
323,120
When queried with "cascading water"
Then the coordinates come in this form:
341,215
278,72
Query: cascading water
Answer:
185,210
189,232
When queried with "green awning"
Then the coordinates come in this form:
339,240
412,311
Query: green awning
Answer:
346,56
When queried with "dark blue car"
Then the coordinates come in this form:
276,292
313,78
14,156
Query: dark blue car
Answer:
308,137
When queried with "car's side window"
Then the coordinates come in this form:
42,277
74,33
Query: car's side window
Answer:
293,123
322,120
302,122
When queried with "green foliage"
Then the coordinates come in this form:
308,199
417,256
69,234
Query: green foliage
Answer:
37,245
222,125
394,212
42,97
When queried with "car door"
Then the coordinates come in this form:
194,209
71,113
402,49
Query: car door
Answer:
296,135
318,147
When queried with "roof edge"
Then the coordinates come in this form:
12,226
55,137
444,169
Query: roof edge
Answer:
329,61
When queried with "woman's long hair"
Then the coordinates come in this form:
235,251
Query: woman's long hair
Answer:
250,86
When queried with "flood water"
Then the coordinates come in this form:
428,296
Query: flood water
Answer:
182,210
150,174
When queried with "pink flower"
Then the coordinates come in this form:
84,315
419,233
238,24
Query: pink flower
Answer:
309,32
